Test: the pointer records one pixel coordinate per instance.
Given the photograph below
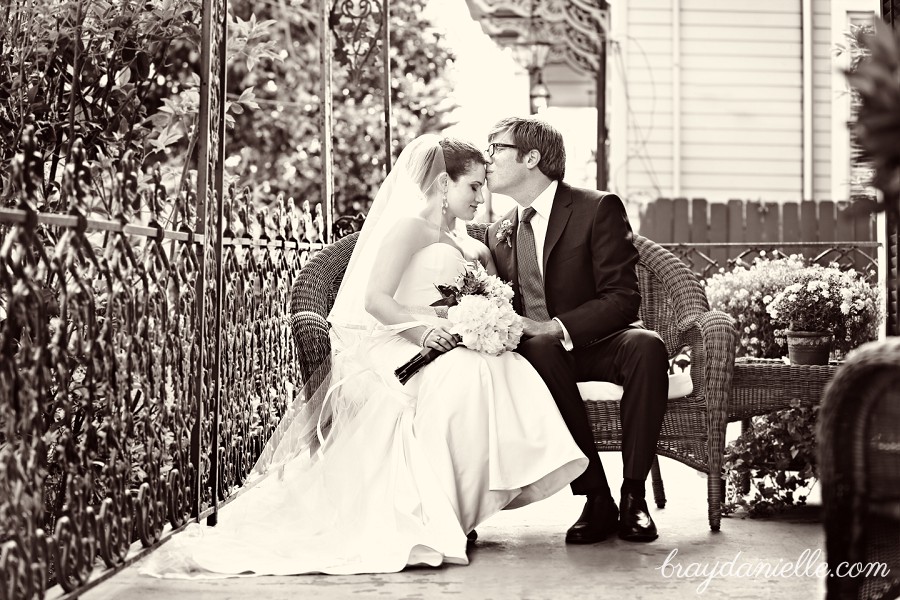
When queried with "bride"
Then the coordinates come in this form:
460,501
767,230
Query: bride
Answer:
370,475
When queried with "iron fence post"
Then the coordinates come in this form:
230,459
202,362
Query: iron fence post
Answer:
386,59
218,189
326,121
202,206
212,100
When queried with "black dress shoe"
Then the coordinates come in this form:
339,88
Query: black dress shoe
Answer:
471,537
635,523
598,520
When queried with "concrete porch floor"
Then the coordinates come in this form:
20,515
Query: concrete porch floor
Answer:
522,554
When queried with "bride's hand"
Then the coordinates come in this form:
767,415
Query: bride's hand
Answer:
439,338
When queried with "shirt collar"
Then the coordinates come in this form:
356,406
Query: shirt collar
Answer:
544,202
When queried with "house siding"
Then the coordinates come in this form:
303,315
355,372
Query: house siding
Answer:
823,65
740,98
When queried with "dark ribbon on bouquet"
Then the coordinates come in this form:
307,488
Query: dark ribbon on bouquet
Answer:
449,297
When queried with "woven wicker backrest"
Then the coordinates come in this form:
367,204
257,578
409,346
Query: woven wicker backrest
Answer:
859,467
671,295
312,297
320,278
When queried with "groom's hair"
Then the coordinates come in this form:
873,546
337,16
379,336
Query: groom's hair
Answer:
459,156
533,134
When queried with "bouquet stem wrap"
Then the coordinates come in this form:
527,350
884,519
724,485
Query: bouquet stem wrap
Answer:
412,366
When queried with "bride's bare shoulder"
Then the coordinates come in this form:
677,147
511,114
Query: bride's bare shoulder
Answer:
475,249
480,249
486,258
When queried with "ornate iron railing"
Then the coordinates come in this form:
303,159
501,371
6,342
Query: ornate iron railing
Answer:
145,358
708,258
104,435
142,368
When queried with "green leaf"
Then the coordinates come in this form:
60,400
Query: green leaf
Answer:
123,76
166,138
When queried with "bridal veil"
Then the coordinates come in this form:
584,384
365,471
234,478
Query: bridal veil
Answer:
320,415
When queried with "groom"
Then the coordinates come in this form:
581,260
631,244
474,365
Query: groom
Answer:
569,255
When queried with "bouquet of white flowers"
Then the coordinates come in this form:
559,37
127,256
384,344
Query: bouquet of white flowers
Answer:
480,313
486,324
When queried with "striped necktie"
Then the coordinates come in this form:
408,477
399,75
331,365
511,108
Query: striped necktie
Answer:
531,284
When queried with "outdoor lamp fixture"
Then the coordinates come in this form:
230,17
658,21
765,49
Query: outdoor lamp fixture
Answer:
536,54
533,56
539,95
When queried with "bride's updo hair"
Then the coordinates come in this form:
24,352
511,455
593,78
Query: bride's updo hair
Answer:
460,156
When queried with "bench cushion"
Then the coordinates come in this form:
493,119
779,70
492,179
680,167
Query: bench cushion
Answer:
680,385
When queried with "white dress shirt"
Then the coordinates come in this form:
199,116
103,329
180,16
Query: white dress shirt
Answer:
542,206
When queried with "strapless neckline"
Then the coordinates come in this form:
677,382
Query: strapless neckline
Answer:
456,250
427,268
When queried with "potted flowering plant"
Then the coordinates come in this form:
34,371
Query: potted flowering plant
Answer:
822,305
743,293
777,456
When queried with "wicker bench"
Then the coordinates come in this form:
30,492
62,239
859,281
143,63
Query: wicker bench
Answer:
673,304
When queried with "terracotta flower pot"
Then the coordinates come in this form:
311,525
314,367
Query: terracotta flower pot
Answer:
809,347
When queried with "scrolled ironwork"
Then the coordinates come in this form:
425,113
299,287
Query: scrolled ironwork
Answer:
23,565
114,526
117,407
861,256
76,545
257,351
574,28
99,337
346,225
357,26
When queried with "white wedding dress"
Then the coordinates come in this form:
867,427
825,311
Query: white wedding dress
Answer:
417,468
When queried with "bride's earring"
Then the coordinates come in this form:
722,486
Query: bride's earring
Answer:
444,204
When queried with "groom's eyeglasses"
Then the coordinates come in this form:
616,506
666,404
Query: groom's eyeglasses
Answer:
492,147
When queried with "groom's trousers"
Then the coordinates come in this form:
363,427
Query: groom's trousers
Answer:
637,360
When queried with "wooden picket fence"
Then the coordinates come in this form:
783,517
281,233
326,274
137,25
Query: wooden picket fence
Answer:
710,235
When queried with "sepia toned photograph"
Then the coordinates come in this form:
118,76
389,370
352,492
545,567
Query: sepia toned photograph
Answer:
489,299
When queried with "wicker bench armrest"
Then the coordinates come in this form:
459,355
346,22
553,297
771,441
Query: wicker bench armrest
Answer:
713,342
310,331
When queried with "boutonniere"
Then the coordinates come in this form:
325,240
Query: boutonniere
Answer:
504,232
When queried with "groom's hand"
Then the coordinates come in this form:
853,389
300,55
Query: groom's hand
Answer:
532,328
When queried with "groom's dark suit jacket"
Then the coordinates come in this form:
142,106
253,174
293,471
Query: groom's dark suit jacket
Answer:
590,281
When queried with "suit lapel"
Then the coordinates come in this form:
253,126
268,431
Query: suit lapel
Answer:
559,216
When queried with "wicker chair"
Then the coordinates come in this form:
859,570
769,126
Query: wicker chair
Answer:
859,465
673,304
